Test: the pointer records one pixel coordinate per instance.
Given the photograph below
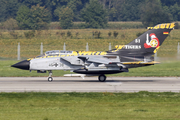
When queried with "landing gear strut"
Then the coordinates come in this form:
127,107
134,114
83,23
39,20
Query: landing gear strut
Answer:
50,79
102,78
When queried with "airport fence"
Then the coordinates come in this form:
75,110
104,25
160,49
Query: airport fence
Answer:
20,52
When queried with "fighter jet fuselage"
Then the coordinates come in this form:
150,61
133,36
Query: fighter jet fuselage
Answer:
137,53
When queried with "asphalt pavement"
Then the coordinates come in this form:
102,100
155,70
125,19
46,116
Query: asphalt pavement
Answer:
90,84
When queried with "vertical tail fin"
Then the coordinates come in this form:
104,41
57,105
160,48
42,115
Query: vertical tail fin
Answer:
146,44
149,42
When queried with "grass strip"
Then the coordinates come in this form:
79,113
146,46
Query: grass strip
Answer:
90,106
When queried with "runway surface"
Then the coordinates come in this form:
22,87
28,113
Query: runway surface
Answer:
90,84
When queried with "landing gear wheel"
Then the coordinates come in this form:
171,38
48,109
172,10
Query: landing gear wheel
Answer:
50,79
102,78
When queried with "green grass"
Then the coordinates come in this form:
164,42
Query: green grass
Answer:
164,69
110,25
90,106
125,25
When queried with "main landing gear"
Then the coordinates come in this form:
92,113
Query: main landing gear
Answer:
102,78
50,79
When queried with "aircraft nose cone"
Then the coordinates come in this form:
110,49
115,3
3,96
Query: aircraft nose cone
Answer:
22,65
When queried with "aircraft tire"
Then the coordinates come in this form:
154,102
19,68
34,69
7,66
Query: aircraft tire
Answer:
50,79
102,78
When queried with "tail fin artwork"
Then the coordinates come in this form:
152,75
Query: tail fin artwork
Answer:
146,44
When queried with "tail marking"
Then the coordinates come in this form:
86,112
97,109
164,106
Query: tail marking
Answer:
154,43
163,26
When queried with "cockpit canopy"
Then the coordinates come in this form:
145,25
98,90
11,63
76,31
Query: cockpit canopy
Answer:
56,53
52,53
65,52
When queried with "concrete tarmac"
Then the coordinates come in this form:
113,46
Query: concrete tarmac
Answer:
90,84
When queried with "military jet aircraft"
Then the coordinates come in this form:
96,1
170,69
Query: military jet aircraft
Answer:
137,53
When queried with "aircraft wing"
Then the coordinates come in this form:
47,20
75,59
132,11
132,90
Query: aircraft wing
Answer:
100,59
141,62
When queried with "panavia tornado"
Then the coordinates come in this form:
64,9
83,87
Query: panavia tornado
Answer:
137,53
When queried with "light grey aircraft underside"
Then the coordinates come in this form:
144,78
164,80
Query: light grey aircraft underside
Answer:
137,53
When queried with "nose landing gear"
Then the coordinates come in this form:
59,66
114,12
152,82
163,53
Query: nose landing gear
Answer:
50,79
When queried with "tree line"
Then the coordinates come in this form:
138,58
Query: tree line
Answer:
37,14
